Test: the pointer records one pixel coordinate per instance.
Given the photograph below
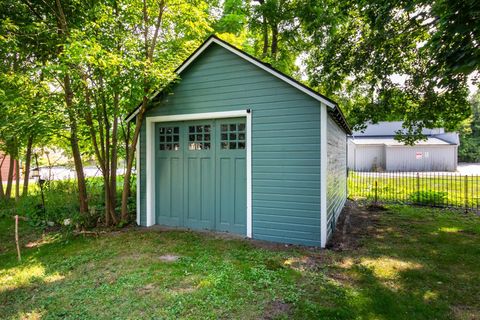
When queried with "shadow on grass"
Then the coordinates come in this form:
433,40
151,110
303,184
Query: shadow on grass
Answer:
409,266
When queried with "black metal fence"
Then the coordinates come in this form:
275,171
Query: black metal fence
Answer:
437,189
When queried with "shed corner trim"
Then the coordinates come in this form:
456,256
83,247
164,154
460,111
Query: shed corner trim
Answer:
323,175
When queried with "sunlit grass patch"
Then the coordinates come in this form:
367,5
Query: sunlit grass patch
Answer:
425,262
388,268
430,295
43,240
449,229
21,276
30,315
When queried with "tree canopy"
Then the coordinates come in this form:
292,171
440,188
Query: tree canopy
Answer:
394,60
71,70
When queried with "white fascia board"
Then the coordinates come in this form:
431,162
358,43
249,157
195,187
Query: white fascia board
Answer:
137,168
323,175
198,116
133,115
195,56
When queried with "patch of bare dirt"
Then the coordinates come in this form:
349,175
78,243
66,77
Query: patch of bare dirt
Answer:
274,246
146,289
275,309
355,223
465,313
169,258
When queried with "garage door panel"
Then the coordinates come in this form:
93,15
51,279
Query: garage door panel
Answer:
240,193
226,189
200,193
176,181
231,175
193,188
169,174
201,174
199,166
207,191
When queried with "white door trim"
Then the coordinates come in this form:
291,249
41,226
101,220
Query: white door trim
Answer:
323,175
137,169
150,156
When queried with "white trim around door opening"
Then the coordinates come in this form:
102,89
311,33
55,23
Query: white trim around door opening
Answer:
150,156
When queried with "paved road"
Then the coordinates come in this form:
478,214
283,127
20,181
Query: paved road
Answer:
469,168
62,173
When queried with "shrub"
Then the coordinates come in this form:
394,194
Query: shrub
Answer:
429,197
61,203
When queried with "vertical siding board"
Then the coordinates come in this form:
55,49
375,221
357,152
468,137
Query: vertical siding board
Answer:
434,158
336,173
285,140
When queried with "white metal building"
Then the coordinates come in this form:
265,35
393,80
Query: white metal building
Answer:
376,149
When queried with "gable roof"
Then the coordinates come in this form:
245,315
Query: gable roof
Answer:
390,128
334,110
391,141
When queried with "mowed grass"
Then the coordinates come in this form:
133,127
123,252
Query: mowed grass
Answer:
450,190
412,264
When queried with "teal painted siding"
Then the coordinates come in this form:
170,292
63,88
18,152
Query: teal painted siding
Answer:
285,140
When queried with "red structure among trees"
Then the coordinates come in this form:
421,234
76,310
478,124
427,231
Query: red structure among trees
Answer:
5,163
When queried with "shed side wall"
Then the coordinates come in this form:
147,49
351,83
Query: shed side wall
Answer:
336,173
430,158
368,158
285,140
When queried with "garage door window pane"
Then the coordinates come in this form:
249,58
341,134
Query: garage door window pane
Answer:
233,136
169,138
199,137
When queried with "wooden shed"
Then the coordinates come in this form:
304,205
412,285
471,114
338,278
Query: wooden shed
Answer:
237,146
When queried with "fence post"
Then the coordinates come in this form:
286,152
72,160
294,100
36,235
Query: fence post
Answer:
418,188
376,192
17,243
466,193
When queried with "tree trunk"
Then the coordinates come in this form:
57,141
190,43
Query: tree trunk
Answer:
77,158
114,154
264,30
265,37
17,180
2,193
126,140
8,190
28,158
149,51
274,48
131,157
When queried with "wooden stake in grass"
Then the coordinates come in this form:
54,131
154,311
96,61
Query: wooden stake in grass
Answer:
16,238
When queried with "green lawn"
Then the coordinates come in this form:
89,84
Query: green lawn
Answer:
403,263
451,190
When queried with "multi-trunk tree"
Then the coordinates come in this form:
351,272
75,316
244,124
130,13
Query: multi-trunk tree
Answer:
75,69
394,60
